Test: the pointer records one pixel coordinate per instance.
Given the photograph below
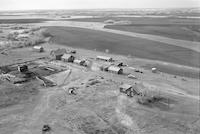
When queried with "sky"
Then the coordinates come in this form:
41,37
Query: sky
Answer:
94,4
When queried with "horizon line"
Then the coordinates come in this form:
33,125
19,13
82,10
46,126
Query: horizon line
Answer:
99,9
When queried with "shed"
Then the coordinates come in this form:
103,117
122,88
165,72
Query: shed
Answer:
136,90
154,70
104,67
125,87
131,76
57,54
38,48
87,63
109,21
67,58
120,64
115,69
79,62
104,58
22,68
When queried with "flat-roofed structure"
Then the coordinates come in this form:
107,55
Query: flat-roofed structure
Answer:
38,48
104,58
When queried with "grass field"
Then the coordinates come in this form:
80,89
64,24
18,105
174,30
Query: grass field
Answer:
11,95
118,44
176,32
190,73
178,28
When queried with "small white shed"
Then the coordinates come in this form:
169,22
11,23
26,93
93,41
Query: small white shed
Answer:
38,48
104,58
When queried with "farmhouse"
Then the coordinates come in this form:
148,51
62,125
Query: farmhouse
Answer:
57,54
67,58
38,48
115,69
104,58
79,62
130,90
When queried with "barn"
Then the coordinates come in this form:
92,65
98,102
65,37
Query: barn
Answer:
57,54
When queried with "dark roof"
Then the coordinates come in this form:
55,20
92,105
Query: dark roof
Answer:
67,56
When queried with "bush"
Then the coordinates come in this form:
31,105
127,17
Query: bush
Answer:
45,33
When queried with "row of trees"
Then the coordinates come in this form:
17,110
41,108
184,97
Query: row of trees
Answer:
35,37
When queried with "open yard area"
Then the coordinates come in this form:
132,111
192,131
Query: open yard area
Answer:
97,106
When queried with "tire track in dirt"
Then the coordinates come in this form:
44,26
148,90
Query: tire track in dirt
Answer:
125,119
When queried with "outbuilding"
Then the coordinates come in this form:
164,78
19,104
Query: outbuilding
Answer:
22,68
87,63
136,90
115,69
57,54
104,67
131,76
125,87
38,48
104,58
154,70
130,90
67,58
79,62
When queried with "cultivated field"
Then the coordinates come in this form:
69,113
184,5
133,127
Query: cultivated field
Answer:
119,44
177,28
